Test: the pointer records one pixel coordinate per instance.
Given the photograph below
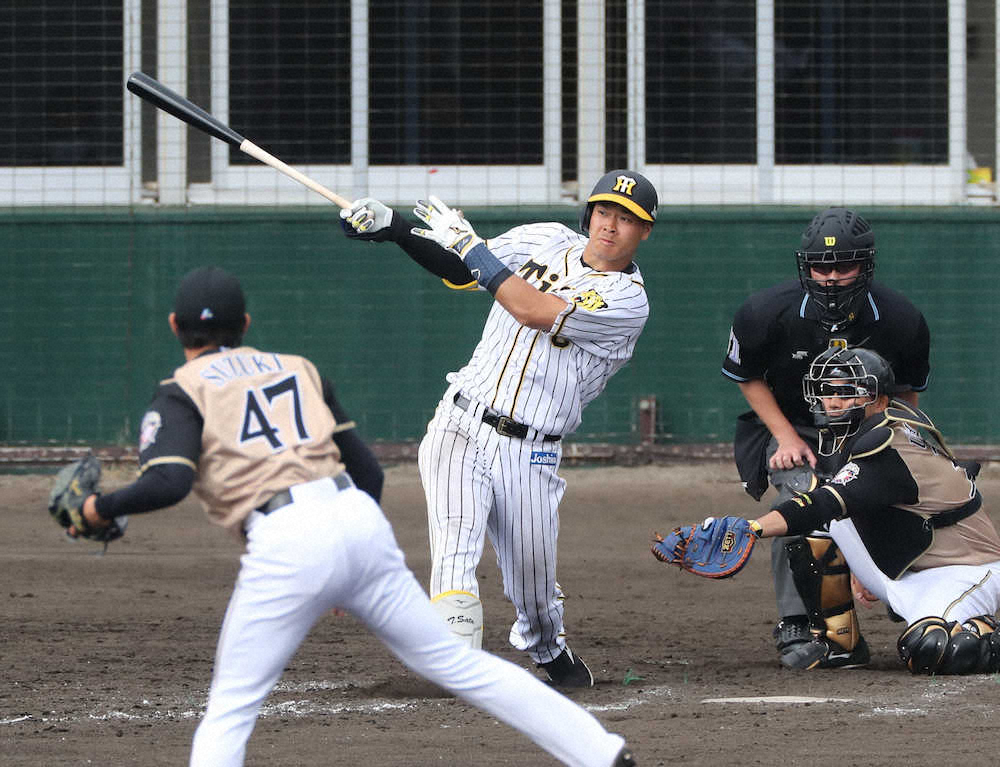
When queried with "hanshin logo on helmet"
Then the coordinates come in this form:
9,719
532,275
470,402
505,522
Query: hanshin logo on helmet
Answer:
631,190
625,185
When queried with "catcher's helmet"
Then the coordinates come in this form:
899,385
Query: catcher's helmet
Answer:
845,373
837,236
629,189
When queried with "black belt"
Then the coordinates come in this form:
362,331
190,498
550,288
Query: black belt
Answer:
504,426
278,500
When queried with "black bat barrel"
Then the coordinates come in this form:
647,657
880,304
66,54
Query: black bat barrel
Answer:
171,102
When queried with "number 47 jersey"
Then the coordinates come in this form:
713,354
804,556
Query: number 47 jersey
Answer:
250,423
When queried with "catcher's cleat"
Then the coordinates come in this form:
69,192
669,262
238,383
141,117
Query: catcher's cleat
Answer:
568,670
791,631
625,758
821,653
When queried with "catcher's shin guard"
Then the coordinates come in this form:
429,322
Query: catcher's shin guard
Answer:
463,612
823,580
933,645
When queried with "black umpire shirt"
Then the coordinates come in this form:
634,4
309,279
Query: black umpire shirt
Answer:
777,333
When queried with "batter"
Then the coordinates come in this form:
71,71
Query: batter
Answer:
568,312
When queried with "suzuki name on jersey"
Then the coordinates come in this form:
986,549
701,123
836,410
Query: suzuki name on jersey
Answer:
236,366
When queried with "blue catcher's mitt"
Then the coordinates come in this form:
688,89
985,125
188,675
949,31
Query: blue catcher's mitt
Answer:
717,548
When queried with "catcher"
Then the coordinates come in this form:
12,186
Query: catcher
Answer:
904,515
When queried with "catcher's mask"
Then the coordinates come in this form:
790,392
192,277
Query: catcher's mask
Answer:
840,237
844,373
629,189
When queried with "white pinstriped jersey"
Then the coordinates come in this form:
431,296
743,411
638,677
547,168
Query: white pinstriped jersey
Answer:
545,379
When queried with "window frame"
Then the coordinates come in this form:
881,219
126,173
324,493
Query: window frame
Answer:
85,185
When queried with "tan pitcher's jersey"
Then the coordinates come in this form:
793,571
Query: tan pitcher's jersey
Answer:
266,428
545,378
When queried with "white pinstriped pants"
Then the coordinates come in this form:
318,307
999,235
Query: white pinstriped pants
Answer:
478,484
336,549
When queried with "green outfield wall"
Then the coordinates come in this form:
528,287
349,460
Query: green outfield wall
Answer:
84,298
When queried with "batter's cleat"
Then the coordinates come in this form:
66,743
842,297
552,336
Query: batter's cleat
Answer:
625,758
821,653
568,670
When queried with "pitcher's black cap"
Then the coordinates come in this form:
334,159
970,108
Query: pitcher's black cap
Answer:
209,297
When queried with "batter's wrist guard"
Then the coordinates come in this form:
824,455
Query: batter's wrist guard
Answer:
486,268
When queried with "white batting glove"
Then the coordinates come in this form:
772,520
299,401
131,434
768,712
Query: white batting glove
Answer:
447,227
366,218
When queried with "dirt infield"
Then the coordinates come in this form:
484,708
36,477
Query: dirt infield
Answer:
107,659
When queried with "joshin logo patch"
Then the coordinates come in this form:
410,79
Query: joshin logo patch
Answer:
543,458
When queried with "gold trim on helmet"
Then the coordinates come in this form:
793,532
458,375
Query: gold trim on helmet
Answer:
625,202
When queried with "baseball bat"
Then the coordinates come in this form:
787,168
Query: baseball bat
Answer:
171,102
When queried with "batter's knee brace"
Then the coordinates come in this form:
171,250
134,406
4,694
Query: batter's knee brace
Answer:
933,645
463,613
823,581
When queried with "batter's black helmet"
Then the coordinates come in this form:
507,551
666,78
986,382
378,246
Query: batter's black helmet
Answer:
837,236
629,189
845,373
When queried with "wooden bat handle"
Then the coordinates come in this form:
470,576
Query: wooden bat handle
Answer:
250,148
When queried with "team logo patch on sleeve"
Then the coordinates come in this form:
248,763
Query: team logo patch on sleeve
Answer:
849,472
151,423
590,300
543,458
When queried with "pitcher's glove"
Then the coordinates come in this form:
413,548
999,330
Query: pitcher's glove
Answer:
74,484
717,548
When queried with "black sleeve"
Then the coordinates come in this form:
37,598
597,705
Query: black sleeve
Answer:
159,486
915,367
746,354
360,461
169,449
860,489
428,254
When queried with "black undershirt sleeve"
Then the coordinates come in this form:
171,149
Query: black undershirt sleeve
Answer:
159,486
358,458
427,253
169,449
810,511
862,487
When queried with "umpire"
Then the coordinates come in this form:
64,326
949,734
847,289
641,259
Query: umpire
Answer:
775,334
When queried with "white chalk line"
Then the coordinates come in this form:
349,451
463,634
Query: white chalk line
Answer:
191,706
188,707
